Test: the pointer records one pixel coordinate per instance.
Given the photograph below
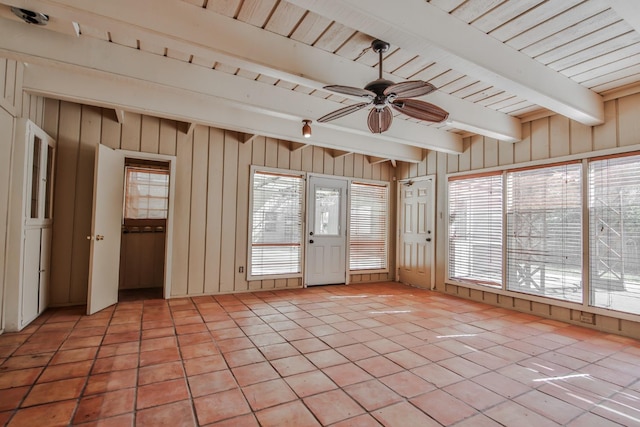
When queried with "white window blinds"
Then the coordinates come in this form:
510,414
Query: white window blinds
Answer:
146,193
276,224
368,226
475,230
614,210
544,223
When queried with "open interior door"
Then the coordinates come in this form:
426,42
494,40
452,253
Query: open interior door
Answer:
104,257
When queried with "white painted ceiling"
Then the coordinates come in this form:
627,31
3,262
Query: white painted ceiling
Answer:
259,66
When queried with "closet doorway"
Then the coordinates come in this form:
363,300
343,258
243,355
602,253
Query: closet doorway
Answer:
143,240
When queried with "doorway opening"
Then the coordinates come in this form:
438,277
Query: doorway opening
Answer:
144,225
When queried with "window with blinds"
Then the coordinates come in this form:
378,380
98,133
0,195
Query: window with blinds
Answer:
368,244
276,224
475,230
614,232
544,231
146,193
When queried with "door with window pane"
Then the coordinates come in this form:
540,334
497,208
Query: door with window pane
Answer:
326,231
416,233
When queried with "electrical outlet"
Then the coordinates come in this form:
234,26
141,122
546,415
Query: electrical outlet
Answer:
240,269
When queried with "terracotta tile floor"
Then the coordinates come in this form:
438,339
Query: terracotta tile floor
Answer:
358,355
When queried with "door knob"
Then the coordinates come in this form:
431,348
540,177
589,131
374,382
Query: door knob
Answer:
310,241
428,239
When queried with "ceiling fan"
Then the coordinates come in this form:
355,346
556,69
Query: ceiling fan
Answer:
382,93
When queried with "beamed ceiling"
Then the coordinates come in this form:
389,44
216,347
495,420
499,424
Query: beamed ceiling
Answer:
259,66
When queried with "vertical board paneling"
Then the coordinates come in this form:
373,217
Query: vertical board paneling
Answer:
560,144
6,137
242,211
198,218
180,270
606,136
505,153
348,164
51,118
477,152
229,194
307,158
338,166
283,154
422,166
111,130
540,139
150,135
257,154
271,153
490,152
327,163
454,160
295,160
214,211
168,135
461,162
629,125
131,132
376,170
366,168
63,207
432,160
318,159
522,148
581,138
90,130
12,91
358,165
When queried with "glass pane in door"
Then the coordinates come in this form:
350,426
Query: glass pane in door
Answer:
327,213
35,178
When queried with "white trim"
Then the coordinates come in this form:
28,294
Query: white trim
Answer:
252,171
387,184
585,305
432,212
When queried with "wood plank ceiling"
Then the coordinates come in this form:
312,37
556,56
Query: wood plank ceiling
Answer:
588,42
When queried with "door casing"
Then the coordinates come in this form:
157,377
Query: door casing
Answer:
171,160
431,212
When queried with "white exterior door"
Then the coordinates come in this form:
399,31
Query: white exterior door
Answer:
416,233
326,231
104,256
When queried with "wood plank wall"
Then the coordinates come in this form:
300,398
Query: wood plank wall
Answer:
542,139
212,195
13,104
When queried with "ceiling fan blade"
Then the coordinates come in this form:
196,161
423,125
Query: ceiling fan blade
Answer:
410,89
343,112
379,120
349,90
420,110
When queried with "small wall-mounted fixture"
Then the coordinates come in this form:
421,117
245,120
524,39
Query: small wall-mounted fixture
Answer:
30,17
306,128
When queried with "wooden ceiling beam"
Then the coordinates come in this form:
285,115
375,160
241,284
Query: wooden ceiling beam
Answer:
85,55
426,30
102,90
177,25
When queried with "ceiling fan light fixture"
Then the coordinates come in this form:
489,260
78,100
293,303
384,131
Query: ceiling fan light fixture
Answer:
29,16
382,94
306,128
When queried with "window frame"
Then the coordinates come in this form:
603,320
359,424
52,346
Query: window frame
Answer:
284,172
584,159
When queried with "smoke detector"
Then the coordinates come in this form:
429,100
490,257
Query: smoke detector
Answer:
30,17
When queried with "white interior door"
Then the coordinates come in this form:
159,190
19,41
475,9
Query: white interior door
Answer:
104,257
416,233
326,231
